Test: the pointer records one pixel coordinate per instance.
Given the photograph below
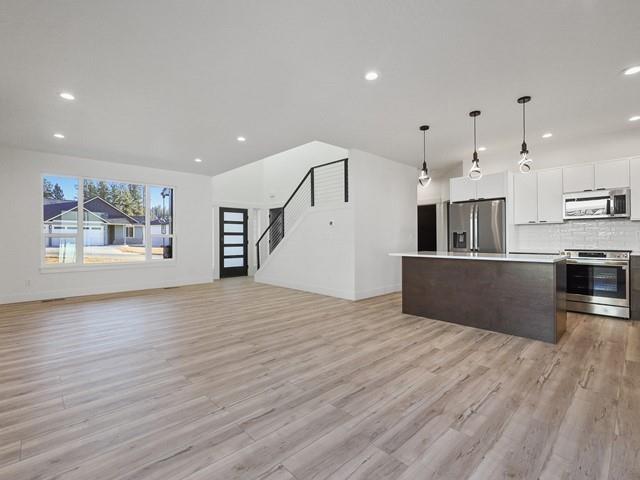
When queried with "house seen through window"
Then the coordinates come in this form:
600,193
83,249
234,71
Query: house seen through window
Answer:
121,222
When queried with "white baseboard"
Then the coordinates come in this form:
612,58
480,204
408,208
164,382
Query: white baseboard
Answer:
376,292
346,295
97,290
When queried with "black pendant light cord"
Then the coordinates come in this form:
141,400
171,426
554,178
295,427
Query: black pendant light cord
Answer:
475,149
524,100
524,124
524,129
475,145
424,129
424,150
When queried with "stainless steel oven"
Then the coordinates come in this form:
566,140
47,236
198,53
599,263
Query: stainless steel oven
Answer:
598,282
597,204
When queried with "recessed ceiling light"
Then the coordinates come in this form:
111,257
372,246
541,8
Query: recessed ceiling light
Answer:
67,96
197,160
58,135
482,149
632,70
635,118
241,139
371,76
547,135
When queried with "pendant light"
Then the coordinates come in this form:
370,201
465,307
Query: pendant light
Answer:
475,173
525,161
424,178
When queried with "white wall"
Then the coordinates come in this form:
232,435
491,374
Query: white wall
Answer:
21,277
270,181
344,250
316,255
264,184
242,187
385,216
283,172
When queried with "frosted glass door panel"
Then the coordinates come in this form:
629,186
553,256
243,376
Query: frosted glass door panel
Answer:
233,228
233,251
233,262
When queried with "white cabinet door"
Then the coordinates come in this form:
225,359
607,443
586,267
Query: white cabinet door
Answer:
550,196
578,178
492,186
635,188
461,189
525,198
612,174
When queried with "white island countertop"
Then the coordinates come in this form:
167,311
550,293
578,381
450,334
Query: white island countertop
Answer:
501,257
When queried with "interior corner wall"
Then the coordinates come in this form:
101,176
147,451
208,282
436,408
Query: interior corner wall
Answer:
21,277
385,218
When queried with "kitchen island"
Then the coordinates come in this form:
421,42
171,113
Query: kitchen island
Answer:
518,294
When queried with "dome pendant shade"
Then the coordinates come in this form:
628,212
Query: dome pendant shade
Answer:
475,173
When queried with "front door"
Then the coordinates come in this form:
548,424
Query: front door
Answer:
233,242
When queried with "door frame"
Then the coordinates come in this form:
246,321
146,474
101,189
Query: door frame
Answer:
242,271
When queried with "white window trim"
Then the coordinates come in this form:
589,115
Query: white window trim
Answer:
79,265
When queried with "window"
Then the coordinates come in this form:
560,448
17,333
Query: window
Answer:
117,211
113,226
60,227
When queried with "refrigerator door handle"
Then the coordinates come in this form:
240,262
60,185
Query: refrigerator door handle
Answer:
476,241
472,233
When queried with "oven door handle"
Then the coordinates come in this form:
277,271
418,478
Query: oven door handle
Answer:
601,263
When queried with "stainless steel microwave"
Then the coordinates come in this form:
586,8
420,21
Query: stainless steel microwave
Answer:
597,204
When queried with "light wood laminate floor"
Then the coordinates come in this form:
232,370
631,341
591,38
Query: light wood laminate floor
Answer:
237,380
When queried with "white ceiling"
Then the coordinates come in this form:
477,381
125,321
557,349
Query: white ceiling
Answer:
159,82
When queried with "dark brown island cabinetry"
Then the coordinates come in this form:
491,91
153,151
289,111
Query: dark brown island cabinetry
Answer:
523,298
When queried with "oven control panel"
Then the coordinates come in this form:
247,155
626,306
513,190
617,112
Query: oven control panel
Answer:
598,254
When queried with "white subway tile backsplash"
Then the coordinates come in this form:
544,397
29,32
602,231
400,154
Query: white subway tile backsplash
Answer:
592,234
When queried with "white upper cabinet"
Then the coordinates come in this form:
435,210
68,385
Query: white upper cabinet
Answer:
489,186
613,174
462,189
525,198
550,196
634,183
492,186
579,178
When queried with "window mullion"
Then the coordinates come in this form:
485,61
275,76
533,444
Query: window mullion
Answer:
80,224
148,240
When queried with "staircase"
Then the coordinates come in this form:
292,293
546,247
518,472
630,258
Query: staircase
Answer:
326,184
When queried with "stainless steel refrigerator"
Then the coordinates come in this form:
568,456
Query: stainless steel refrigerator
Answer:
477,226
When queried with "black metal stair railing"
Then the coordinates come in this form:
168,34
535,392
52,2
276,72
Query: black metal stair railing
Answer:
324,184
